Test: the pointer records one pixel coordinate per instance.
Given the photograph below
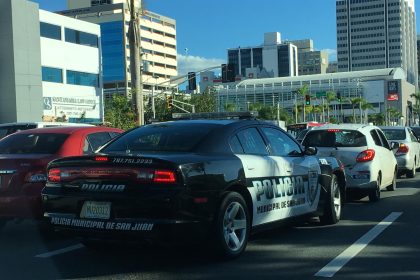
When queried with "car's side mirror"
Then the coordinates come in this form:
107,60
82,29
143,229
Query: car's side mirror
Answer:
394,145
310,151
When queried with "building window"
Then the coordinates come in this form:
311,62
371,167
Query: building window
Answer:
53,75
82,79
50,31
81,38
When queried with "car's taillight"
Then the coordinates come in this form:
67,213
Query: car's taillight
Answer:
403,149
334,130
164,176
101,158
54,175
365,156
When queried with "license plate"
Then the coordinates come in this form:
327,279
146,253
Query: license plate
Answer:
96,210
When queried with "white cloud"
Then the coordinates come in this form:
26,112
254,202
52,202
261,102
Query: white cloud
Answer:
332,54
192,63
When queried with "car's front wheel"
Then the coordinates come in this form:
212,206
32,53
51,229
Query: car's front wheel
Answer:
332,210
232,226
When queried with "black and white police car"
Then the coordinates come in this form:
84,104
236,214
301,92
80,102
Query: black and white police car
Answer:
219,179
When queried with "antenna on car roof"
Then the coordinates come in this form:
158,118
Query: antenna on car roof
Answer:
251,115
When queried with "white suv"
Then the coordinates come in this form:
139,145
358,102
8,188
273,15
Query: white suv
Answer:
367,156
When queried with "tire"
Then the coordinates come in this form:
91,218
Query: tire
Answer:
375,195
412,173
393,185
332,208
230,239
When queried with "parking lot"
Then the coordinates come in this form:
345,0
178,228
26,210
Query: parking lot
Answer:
390,250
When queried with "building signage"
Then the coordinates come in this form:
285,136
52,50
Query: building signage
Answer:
393,93
71,107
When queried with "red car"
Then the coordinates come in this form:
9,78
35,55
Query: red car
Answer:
24,157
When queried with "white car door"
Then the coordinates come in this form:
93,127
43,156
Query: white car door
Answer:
387,159
415,145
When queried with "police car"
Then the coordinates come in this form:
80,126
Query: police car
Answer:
219,179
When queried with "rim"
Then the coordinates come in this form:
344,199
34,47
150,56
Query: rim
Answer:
337,199
234,226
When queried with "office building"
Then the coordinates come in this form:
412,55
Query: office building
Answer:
377,34
383,88
158,43
50,66
272,59
310,60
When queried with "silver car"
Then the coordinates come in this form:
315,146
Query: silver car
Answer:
408,154
368,157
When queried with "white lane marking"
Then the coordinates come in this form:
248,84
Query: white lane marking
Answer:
60,251
336,264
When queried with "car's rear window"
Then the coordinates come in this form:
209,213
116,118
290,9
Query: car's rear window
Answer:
161,137
395,134
334,138
42,143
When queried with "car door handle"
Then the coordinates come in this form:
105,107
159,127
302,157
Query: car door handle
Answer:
289,171
251,168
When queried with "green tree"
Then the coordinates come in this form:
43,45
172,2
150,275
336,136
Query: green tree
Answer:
331,96
230,107
366,106
203,102
303,91
119,113
416,106
355,101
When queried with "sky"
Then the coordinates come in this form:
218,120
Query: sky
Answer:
208,28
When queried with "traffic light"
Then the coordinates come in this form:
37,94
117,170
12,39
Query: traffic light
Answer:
339,97
192,84
169,102
307,99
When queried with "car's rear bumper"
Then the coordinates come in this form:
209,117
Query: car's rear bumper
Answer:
22,206
130,230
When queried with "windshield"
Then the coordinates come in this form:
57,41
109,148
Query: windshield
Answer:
335,138
43,143
394,134
161,137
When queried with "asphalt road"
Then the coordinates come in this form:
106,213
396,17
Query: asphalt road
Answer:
372,241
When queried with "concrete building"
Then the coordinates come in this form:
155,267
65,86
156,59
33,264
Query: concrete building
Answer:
158,42
20,67
71,68
50,66
310,61
418,55
272,59
383,88
377,34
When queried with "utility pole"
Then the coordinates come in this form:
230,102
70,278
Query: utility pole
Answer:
135,61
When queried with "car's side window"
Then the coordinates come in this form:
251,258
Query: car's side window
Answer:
97,139
376,138
235,145
280,143
383,138
252,142
412,136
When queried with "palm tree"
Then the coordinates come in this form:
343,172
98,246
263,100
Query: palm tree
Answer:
317,110
416,97
303,91
331,96
366,106
355,101
230,107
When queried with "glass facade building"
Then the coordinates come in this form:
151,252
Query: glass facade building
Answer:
113,64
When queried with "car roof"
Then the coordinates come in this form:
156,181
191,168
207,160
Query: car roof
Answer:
350,126
45,124
393,127
69,129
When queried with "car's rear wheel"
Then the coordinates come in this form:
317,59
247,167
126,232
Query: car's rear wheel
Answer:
393,185
412,173
332,210
375,194
232,226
